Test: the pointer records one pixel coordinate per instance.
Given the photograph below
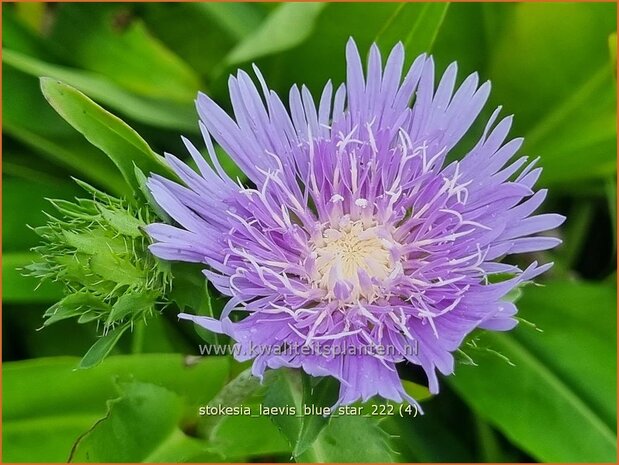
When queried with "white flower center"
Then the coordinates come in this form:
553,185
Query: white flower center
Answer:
352,260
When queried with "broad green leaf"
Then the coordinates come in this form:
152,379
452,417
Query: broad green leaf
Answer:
325,44
558,401
73,401
19,165
196,379
104,130
48,135
586,122
140,426
53,436
238,19
336,439
145,110
351,439
320,393
215,29
537,61
416,25
287,26
239,436
109,39
468,32
259,435
18,288
286,390
233,394
584,312
560,87
75,154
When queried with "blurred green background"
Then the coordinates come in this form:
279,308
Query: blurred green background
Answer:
552,65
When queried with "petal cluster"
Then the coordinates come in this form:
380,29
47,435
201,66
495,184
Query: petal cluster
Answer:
356,244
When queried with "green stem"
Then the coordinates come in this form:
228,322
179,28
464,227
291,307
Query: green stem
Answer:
137,343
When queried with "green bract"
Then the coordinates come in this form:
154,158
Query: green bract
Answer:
97,250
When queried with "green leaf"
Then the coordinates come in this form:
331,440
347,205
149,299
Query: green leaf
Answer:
286,27
324,41
77,155
350,439
286,390
467,35
146,110
215,29
238,19
110,40
239,436
233,394
49,136
573,112
141,426
260,436
416,25
585,122
102,347
317,439
105,131
536,42
73,400
556,389
584,313
319,393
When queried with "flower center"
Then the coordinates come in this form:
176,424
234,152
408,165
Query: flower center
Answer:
352,260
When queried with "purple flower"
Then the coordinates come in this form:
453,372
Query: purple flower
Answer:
357,245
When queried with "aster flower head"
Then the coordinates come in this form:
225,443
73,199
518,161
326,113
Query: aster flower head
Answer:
356,238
